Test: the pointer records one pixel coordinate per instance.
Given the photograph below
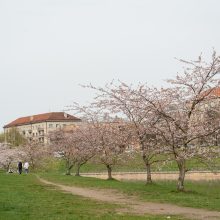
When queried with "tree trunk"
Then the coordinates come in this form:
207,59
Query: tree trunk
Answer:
8,167
182,171
68,168
109,172
32,164
148,169
77,169
68,171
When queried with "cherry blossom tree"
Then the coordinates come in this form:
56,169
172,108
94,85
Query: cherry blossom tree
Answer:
36,152
128,102
61,144
112,139
185,124
76,147
173,120
85,148
10,156
111,136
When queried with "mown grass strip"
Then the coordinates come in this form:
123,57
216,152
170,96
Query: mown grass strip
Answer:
204,194
23,197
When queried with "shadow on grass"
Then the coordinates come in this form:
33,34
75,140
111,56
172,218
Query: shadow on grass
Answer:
192,192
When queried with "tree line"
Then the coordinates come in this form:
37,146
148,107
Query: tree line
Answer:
178,122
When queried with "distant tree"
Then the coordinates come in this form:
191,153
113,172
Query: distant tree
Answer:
85,145
112,139
76,147
10,156
14,137
35,153
111,136
2,137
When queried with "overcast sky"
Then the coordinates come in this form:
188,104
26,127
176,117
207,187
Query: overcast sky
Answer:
48,48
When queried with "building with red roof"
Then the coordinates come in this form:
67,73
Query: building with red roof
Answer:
37,127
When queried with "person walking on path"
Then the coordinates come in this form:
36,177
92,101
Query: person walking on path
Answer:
19,167
26,167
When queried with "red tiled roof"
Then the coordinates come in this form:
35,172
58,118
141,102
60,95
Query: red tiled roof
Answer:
215,92
212,93
52,116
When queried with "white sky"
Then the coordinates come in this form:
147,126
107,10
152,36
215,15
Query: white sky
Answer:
48,48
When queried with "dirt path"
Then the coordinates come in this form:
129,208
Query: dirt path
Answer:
134,205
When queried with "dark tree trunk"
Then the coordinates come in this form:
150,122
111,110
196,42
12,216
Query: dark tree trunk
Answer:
182,172
68,171
77,169
148,169
8,167
32,164
68,168
109,172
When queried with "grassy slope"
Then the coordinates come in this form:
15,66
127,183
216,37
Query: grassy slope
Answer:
23,197
136,164
201,195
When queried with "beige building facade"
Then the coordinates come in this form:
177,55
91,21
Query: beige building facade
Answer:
38,127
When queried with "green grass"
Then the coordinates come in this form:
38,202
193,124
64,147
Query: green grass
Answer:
133,164
200,194
24,197
136,164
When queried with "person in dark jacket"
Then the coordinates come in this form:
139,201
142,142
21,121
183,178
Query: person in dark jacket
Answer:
19,167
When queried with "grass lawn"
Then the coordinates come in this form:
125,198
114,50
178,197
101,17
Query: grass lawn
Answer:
200,195
136,164
23,197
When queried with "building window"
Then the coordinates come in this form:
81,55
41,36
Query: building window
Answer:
50,125
41,140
